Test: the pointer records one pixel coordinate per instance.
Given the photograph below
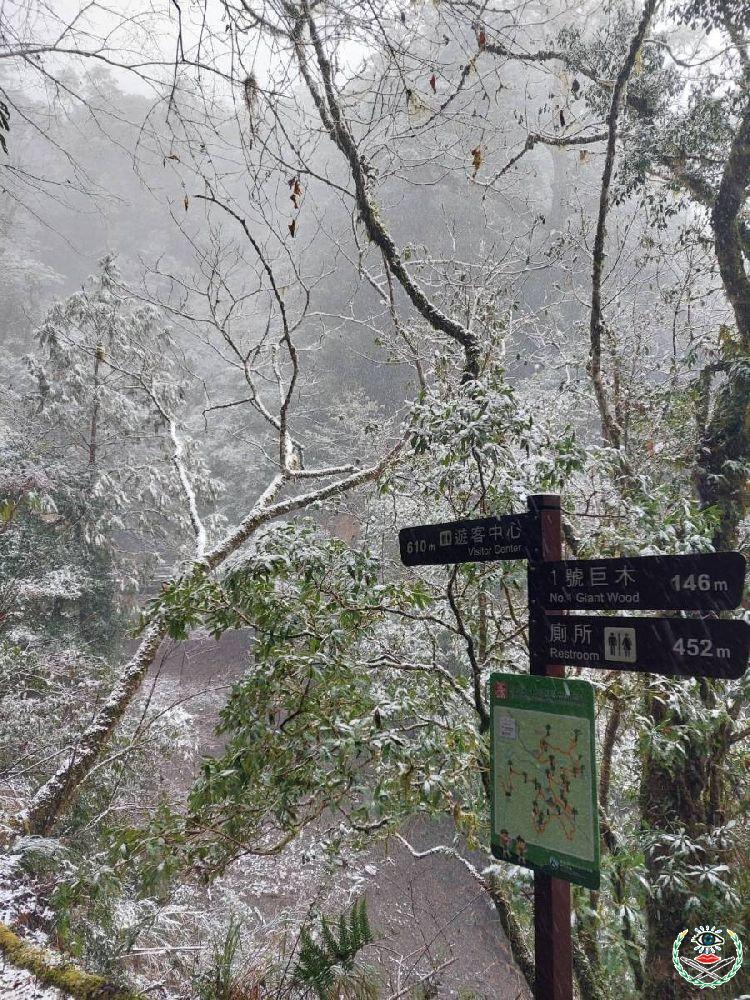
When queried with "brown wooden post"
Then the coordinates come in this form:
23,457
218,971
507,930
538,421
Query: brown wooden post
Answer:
553,967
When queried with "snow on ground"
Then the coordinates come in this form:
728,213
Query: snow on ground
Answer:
17,899
15,984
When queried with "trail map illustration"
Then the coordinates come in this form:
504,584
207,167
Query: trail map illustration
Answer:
539,778
543,772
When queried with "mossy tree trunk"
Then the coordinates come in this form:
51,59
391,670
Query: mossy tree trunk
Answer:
49,970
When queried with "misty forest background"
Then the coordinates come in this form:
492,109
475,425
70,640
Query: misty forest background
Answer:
278,279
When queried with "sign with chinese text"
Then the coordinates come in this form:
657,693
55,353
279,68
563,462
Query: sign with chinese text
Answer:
543,776
711,581
672,646
478,540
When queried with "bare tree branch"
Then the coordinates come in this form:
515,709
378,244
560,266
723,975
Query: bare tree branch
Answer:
332,117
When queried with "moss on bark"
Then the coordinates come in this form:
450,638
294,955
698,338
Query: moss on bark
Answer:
63,976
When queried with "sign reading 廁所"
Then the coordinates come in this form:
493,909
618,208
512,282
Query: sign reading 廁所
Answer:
479,540
711,581
683,647
543,776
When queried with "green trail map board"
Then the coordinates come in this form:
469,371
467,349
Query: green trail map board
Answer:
544,809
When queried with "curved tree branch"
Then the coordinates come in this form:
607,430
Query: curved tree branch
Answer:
502,904
332,117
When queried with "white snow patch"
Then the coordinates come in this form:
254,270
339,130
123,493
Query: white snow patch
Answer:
16,897
16,984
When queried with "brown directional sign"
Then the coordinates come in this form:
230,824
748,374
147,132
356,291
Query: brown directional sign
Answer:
673,646
711,581
509,537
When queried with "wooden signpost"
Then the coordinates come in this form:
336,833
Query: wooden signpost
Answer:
682,647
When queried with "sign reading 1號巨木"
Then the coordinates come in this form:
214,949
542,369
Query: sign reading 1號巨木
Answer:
710,581
543,776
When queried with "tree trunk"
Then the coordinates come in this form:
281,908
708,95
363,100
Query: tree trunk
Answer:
725,447
52,798
50,971
512,930
730,200
693,799
725,454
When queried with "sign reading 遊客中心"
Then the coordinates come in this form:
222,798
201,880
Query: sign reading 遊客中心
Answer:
479,540
682,647
543,776
711,581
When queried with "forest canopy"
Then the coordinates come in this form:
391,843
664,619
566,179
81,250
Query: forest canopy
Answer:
281,278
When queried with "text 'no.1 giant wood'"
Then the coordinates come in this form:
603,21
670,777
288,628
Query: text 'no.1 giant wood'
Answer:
702,581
